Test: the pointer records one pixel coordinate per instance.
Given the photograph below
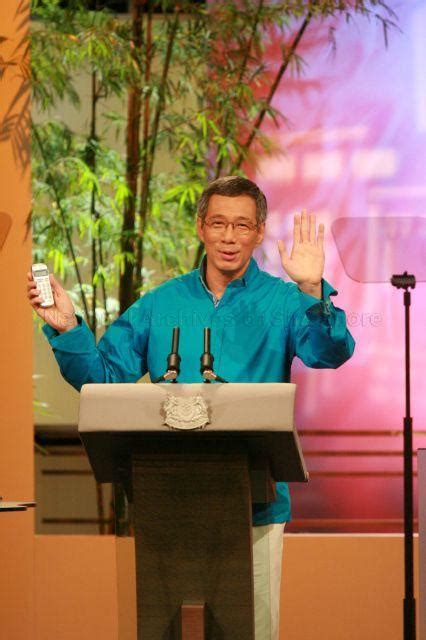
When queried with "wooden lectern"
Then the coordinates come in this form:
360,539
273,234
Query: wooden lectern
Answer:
190,491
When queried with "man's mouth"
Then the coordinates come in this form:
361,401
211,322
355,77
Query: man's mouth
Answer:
228,255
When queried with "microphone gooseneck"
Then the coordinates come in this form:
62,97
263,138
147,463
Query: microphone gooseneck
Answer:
175,340
207,334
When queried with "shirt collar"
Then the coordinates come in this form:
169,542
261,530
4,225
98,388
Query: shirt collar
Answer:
245,281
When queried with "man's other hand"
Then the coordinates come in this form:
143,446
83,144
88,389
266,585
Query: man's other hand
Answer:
305,264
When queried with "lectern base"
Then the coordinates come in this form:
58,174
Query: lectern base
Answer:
193,621
192,524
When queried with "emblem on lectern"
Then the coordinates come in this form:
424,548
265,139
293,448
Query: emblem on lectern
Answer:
185,413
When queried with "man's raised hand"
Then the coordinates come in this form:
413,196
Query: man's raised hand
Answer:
61,315
305,264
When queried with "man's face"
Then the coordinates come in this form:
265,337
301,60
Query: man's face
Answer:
228,250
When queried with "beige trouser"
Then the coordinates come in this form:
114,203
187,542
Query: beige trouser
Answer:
267,557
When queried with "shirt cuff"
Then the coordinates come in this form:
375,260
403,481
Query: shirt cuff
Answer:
316,306
68,341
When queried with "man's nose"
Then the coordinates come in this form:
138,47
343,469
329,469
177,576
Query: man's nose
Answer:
229,235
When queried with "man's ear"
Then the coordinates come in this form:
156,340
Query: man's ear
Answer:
200,229
260,233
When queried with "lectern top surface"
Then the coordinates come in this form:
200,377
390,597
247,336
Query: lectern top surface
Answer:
230,407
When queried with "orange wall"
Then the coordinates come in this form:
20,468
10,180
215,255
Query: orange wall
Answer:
16,440
334,587
76,591
16,448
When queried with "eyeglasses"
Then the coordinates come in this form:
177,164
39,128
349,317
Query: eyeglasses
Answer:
241,228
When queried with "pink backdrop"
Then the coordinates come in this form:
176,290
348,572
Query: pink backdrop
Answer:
355,146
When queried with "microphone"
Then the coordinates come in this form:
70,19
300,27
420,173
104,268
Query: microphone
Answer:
173,360
207,359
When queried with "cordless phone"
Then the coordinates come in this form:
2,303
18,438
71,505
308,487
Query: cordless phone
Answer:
40,274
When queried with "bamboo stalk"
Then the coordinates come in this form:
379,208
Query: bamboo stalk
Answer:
93,212
145,187
126,289
283,68
144,160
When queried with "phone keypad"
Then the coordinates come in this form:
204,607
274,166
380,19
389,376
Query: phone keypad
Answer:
45,291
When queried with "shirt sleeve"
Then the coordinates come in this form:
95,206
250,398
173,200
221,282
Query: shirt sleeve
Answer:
318,334
120,356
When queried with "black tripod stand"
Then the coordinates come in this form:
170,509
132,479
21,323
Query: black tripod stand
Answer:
407,282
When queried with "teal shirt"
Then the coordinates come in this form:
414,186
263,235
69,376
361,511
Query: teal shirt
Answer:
258,326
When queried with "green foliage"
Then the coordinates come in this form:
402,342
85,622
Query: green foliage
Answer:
67,41
62,187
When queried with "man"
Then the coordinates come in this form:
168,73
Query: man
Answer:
258,324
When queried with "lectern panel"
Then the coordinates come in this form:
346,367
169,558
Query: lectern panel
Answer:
193,543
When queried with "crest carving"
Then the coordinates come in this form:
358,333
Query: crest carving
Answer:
185,413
